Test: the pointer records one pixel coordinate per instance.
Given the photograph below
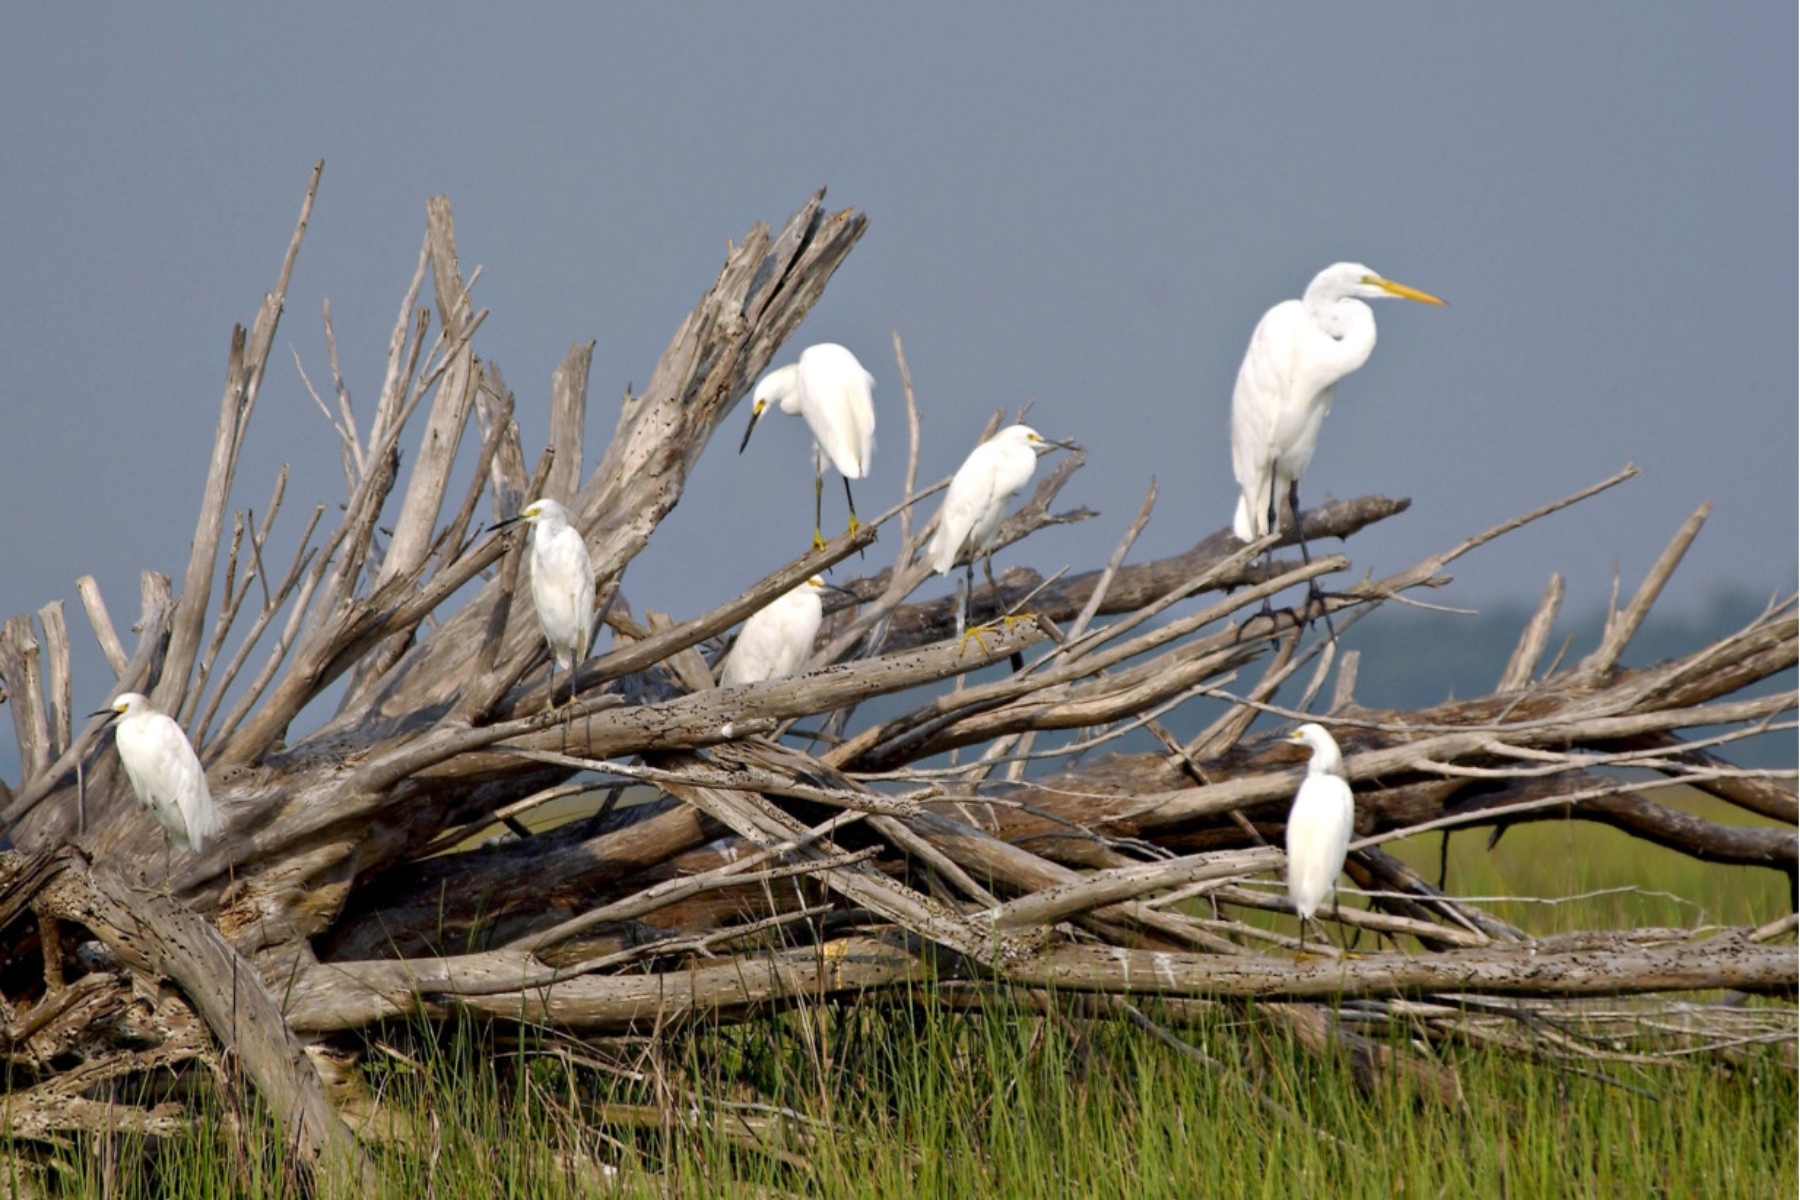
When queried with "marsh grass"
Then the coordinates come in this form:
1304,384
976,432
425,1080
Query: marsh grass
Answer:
926,1100
921,1096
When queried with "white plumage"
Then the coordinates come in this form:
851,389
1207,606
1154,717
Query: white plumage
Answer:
562,582
973,507
829,388
1299,351
1319,824
165,772
778,637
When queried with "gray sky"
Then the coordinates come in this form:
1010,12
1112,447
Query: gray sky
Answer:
1075,206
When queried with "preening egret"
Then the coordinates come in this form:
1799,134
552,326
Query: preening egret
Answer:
1299,351
164,772
1319,825
777,638
973,507
831,390
562,584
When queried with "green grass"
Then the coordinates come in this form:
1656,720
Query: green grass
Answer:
924,1100
917,1097
1565,858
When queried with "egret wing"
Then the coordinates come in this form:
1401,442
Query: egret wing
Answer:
836,401
1317,834
1260,408
970,494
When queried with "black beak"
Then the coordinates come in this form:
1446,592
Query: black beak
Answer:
105,712
1065,445
755,416
499,525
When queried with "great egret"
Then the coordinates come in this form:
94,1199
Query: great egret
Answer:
991,475
777,638
831,390
1319,825
562,584
1299,351
165,772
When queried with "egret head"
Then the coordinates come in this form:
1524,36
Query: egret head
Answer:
780,386
1025,435
125,703
1326,755
1343,280
544,511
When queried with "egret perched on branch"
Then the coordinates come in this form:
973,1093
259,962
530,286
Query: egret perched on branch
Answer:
165,772
831,390
1299,351
1319,825
970,517
777,638
562,585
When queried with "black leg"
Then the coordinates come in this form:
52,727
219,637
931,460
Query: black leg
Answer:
851,501
1313,594
1269,554
818,506
1349,939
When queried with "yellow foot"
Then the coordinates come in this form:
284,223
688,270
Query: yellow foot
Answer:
973,634
818,539
854,524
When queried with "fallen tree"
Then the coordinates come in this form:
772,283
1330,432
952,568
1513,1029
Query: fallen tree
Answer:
757,863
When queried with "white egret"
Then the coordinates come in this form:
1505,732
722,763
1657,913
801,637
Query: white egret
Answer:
165,772
973,507
1299,351
1319,825
777,638
562,585
831,390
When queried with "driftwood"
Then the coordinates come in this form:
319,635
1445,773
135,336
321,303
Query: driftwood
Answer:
774,843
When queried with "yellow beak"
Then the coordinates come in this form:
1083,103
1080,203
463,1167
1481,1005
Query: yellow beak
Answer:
1404,292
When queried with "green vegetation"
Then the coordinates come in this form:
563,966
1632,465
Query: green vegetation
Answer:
1561,858
922,1096
927,1101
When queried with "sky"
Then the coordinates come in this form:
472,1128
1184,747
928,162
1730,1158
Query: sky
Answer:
1084,208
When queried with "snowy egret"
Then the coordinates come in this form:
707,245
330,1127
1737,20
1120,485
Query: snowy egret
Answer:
1299,351
970,517
165,772
1319,824
991,475
777,638
562,585
831,390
